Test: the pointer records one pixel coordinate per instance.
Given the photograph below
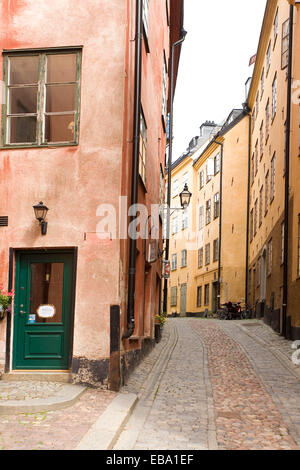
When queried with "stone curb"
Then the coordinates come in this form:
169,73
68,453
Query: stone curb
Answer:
104,433
63,398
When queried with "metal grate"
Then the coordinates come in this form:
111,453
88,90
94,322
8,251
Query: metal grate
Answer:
3,220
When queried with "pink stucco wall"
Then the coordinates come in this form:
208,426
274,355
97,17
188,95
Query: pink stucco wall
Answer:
72,181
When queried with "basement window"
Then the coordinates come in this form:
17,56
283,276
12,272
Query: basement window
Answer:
42,98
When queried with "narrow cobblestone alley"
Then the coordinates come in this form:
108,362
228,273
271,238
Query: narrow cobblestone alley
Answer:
215,385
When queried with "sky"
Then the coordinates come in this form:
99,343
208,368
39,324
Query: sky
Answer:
214,65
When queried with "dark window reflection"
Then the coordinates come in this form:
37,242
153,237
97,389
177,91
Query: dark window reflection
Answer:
46,288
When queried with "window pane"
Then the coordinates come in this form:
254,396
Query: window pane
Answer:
60,98
61,68
23,70
46,289
60,128
23,100
22,130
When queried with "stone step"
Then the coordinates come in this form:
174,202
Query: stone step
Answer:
39,376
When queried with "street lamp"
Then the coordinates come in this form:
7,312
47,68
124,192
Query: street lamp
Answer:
185,197
40,212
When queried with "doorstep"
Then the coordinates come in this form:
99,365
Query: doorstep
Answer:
38,376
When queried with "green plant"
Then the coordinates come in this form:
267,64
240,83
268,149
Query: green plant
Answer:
161,319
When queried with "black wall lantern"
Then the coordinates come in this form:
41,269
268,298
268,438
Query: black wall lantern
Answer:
40,212
185,197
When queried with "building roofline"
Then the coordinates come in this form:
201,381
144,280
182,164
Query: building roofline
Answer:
223,131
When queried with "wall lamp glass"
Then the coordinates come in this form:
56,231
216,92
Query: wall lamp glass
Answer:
40,212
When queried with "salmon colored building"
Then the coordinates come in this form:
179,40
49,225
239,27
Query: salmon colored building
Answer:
83,134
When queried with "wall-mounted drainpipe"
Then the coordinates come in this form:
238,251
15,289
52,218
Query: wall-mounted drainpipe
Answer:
135,167
287,177
220,221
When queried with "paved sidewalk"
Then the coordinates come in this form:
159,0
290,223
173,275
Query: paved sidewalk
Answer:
59,429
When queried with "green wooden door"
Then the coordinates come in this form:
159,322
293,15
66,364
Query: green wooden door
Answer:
43,311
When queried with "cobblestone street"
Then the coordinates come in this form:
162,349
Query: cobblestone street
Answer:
216,385
207,385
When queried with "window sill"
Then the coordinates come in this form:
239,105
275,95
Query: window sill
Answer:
35,146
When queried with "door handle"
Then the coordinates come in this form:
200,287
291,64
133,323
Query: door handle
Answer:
22,312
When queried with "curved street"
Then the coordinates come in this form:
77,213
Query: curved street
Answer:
215,385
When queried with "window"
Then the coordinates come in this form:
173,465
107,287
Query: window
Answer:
161,187
217,163
275,27
258,279
185,219
261,199
256,157
200,258
164,90
206,294
255,216
210,169
267,192
207,254
175,188
173,296
216,205
267,119
262,83
261,140
208,212
270,256
201,217
272,184
274,97
142,148
43,98
216,250
175,225
251,225
174,262
285,44
269,56
199,296
184,258
146,17
257,103
252,168
185,178
201,178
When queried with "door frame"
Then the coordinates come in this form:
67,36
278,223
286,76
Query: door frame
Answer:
15,254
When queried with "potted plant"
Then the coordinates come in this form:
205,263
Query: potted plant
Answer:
160,320
5,301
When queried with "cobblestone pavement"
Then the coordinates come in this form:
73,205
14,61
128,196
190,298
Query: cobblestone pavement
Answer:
247,412
173,409
53,430
217,387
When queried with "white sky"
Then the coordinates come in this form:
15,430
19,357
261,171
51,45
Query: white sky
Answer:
214,66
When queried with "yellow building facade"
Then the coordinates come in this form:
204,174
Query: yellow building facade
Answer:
241,239
273,264
208,243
